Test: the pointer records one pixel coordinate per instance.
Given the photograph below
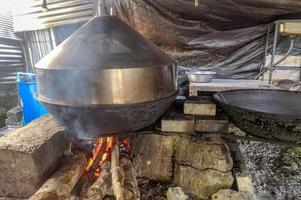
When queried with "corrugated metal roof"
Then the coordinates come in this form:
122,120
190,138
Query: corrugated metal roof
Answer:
27,16
39,43
11,55
11,61
6,26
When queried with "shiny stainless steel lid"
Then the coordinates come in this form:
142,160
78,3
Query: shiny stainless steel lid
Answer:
105,62
104,42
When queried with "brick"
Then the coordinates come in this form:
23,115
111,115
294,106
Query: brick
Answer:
200,106
176,121
177,125
211,124
29,155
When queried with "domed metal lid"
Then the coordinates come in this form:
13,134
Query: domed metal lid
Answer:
104,42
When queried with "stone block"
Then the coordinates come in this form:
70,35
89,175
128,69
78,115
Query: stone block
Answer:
176,193
244,182
202,183
227,194
29,155
211,124
203,105
153,156
184,125
202,154
176,121
14,116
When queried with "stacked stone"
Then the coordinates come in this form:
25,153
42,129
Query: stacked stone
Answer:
201,167
195,114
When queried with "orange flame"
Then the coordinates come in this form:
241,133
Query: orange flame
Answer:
108,142
96,152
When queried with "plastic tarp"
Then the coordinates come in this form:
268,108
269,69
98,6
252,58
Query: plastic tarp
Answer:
227,36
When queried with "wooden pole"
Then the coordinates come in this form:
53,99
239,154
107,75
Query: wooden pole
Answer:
103,185
131,189
62,182
116,173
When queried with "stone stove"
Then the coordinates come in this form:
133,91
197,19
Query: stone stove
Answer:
183,150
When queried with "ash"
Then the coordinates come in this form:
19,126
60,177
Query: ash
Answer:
275,170
152,189
156,190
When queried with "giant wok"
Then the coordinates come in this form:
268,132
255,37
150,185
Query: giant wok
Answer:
271,114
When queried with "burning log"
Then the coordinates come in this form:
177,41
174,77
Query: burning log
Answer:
116,173
112,169
61,183
103,185
131,190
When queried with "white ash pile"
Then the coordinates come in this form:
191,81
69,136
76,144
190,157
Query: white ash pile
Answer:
275,170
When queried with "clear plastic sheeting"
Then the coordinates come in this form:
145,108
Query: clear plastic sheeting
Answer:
226,36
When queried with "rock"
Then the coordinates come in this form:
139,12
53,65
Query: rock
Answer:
29,155
202,154
176,193
227,194
297,152
153,156
211,124
200,166
202,183
14,116
203,105
244,182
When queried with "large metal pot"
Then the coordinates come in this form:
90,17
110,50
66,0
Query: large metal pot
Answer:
271,114
105,79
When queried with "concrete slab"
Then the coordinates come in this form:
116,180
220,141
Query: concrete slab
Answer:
29,155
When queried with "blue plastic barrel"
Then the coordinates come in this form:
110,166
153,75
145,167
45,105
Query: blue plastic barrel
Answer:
27,86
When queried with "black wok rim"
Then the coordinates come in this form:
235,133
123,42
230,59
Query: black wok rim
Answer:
215,96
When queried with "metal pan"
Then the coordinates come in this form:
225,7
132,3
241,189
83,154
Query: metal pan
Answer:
271,114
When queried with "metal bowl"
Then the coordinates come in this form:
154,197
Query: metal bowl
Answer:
200,76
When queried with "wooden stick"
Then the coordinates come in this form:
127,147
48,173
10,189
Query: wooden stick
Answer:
131,189
115,171
61,183
103,185
196,3
84,182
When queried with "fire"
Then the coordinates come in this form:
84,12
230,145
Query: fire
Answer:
96,152
101,153
103,164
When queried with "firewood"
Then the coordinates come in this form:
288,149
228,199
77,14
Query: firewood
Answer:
116,173
131,189
61,183
103,185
